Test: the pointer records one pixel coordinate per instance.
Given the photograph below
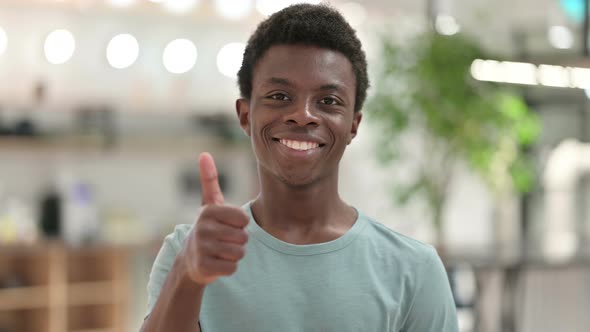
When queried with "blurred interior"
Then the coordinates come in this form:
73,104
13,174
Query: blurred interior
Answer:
106,104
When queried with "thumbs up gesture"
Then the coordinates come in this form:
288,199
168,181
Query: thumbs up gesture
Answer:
217,241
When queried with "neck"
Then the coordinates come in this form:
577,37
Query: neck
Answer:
281,207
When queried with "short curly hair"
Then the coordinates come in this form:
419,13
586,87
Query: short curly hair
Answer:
307,24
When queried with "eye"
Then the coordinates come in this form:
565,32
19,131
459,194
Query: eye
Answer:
329,101
279,96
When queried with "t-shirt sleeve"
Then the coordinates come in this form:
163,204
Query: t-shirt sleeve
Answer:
433,308
163,263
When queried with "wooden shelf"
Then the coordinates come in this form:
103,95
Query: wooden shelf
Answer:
84,145
73,289
86,293
23,298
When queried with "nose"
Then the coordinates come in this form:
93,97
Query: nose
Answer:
302,114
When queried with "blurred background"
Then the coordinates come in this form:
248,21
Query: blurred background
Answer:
475,140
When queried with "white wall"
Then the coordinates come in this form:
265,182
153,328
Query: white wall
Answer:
370,185
88,78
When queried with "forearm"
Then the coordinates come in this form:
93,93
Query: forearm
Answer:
178,306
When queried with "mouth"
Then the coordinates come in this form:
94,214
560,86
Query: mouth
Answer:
299,145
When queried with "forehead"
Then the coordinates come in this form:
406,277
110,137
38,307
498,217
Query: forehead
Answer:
306,66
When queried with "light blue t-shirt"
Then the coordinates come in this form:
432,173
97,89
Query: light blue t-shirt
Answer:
369,279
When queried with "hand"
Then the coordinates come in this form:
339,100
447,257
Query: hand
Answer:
217,241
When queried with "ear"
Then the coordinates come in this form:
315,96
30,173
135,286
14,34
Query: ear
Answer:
356,120
243,111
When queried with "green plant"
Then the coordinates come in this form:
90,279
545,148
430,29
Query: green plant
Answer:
425,88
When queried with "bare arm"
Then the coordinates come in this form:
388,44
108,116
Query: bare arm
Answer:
211,249
179,304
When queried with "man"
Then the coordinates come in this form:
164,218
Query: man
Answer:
296,258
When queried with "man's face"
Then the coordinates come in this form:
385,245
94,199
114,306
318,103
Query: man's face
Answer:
300,116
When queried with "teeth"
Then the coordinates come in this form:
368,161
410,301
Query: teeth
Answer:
299,145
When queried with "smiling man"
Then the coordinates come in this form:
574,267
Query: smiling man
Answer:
296,258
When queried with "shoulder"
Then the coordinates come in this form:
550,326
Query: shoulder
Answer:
402,247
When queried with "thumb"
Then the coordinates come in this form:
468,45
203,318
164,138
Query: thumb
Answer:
211,192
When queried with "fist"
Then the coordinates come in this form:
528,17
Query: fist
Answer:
216,243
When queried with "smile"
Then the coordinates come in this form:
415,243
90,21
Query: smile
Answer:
299,145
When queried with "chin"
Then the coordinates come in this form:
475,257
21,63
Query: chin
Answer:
297,180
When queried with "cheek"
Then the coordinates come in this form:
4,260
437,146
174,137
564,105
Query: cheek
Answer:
342,128
260,134
344,135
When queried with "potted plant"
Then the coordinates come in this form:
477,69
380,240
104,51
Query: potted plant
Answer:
424,89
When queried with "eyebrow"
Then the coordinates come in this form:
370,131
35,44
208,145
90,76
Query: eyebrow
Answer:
279,81
331,87
286,82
